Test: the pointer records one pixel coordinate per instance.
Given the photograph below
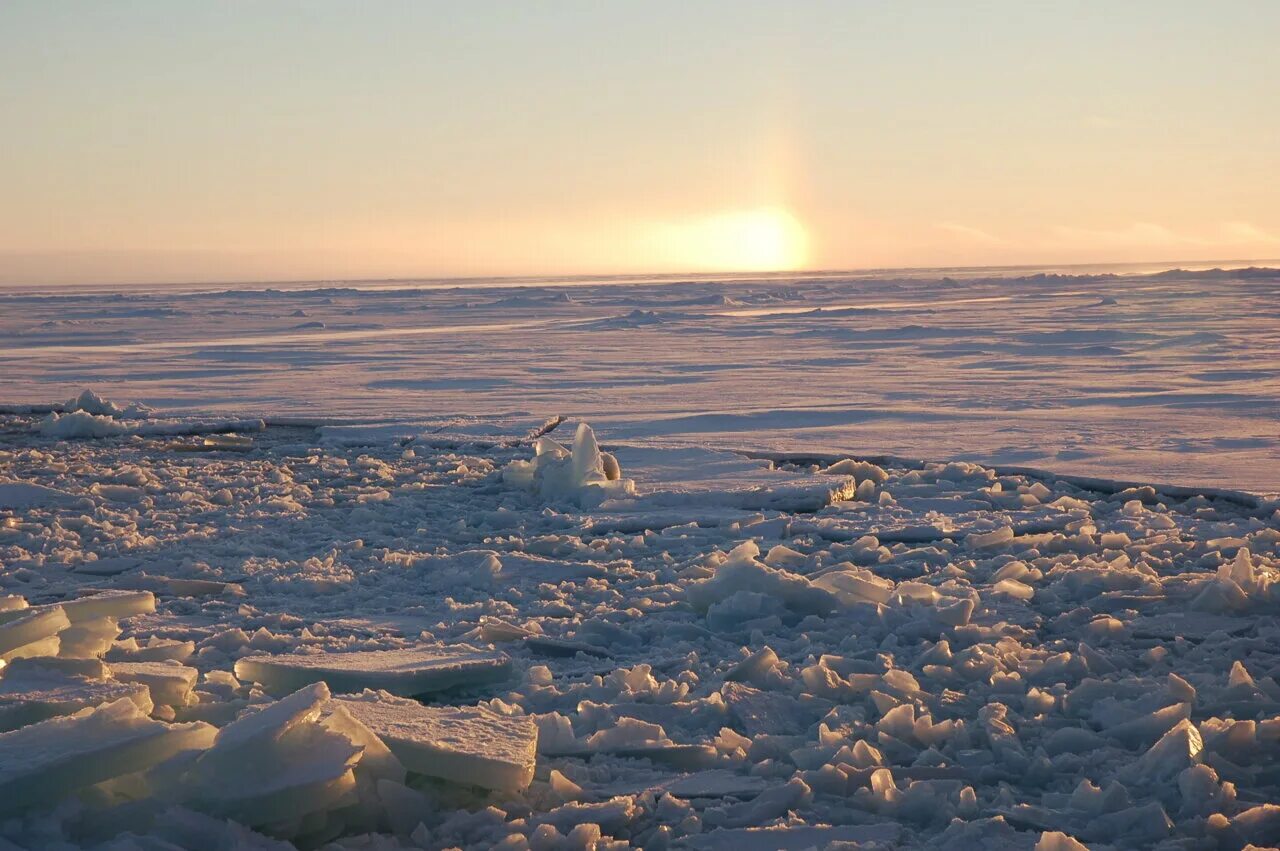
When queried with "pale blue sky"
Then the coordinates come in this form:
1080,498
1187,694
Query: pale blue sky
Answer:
197,141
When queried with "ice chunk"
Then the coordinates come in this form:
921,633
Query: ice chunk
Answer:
1054,840
170,682
88,639
31,692
42,763
31,625
861,470
113,604
272,767
794,837
405,672
856,585
110,566
80,424
742,571
577,475
472,745
155,650
1178,749
23,495
989,540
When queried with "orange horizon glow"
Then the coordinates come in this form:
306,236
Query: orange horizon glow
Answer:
455,142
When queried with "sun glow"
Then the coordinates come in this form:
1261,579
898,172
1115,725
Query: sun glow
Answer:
759,240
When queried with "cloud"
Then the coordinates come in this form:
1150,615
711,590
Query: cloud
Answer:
1151,235
972,234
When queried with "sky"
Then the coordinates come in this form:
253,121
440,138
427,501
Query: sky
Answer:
242,140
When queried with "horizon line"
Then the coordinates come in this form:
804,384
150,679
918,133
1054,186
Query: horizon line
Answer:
578,279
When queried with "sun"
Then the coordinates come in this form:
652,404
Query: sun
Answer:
765,239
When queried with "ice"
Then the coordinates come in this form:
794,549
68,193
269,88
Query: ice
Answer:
80,424
274,766
773,638
153,650
405,672
34,690
701,479
742,573
794,838
88,638
28,626
25,495
1180,748
576,474
105,604
170,682
42,763
471,745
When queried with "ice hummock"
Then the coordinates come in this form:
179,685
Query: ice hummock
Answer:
581,474
405,672
472,745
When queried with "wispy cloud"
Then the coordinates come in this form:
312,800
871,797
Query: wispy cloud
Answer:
1150,234
972,234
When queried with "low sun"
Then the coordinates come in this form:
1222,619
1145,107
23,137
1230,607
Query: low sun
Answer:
759,240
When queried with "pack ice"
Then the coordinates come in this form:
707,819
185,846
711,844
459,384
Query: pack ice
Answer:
469,634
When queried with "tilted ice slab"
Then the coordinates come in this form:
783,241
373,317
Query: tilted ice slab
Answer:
472,745
275,765
30,693
42,763
405,672
106,604
21,627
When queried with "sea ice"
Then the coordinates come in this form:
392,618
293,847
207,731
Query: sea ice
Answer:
471,745
34,690
170,682
274,766
40,764
27,626
405,672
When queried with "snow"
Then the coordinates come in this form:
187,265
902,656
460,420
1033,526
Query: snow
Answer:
470,745
407,672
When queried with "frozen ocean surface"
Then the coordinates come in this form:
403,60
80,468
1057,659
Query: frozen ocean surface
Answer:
1173,376
344,569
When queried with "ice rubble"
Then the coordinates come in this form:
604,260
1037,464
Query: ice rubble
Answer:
941,655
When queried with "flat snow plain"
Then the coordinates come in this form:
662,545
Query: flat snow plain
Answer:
663,644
